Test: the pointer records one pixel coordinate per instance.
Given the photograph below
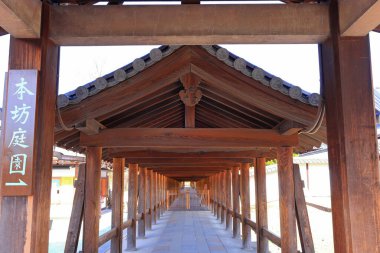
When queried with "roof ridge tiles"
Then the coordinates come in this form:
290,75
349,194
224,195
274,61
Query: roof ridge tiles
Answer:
157,54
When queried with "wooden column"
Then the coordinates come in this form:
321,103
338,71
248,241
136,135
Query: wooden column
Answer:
235,201
132,205
154,198
142,202
352,145
261,205
218,176
228,198
117,203
92,199
148,223
287,201
245,205
222,196
27,218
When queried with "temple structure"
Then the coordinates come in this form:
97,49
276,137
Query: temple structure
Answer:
189,111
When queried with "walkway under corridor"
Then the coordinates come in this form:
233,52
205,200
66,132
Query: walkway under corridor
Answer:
188,231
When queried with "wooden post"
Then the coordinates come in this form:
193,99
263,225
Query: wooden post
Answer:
142,202
117,204
245,205
287,201
302,216
154,197
235,201
148,223
352,144
222,196
228,198
27,218
218,176
261,205
132,206
76,212
92,200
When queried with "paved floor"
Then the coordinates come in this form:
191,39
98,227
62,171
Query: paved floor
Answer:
187,231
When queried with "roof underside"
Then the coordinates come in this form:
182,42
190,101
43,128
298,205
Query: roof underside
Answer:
146,95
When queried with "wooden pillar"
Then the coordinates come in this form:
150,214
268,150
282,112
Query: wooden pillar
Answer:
228,198
218,176
132,206
92,199
235,201
245,205
142,202
261,205
148,223
222,196
287,201
117,204
27,218
352,145
154,197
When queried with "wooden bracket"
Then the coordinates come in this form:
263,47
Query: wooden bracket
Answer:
90,126
289,127
191,95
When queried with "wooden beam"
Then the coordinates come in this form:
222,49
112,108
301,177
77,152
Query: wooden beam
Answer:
27,218
245,205
22,18
352,142
117,204
141,207
303,223
76,216
204,24
132,205
261,205
185,138
3,32
287,201
189,161
358,18
92,200
235,201
127,153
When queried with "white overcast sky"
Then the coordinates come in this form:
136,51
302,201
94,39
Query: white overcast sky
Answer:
296,64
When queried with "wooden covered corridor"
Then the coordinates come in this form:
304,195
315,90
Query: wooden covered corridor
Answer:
189,113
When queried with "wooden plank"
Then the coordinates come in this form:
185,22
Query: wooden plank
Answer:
245,205
261,205
117,204
28,218
358,18
142,202
187,137
228,198
352,144
131,25
132,205
76,212
22,19
235,201
287,201
92,200
304,229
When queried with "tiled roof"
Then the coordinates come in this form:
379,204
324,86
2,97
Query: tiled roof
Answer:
157,54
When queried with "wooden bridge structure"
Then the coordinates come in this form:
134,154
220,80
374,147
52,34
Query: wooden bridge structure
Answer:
189,113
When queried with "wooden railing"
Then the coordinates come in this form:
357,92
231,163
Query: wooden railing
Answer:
264,232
